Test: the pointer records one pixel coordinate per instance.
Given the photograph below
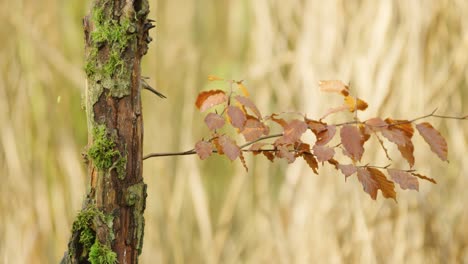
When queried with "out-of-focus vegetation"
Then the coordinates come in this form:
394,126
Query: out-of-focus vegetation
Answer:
403,57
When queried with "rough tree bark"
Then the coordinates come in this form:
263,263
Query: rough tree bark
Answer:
109,228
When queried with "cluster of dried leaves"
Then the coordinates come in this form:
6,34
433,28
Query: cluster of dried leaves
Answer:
235,109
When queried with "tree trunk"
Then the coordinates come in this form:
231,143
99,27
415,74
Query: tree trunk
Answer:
109,228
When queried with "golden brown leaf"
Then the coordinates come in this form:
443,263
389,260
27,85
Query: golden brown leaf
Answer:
214,78
242,159
386,187
311,161
434,139
243,89
249,104
355,103
209,99
424,177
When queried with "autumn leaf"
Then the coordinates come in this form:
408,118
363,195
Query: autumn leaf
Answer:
334,110
269,155
292,132
279,121
352,142
373,179
347,169
424,177
434,139
284,153
386,187
334,86
369,184
203,149
323,153
325,136
376,123
404,179
311,161
236,117
256,147
242,159
315,126
214,78
254,129
243,89
214,121
249,104
209,99
230,149
355,103
407,152
396,136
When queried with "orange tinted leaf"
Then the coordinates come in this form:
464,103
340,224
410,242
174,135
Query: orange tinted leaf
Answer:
323,153
326,135
355,103
218,147
230,148
249,104
236,117
316,126
269,155
243,89
311,161
214,78
369,184
254,129
203,149
242,159
347,169
424,177
403,125
434,139
209,99
407,152
386,187
334,86
279,121
352,141
284,153
214,121
404,179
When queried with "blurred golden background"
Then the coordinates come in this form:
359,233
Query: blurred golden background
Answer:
405,58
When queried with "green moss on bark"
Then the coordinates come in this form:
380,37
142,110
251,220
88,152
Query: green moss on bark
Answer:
86,225
104,152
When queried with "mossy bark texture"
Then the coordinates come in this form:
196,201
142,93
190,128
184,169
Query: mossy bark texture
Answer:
109,229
